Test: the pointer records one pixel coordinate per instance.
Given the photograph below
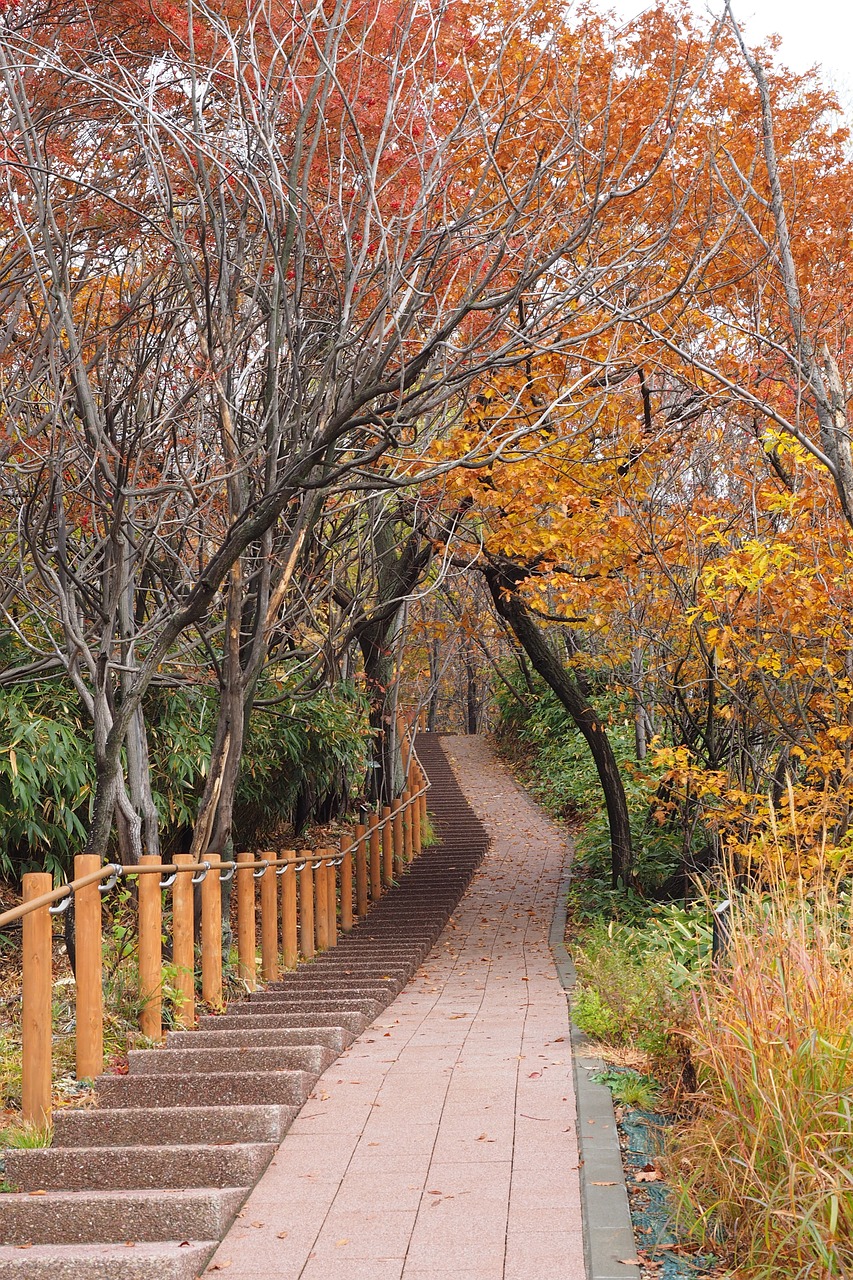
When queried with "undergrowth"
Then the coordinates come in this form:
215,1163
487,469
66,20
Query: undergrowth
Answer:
768,1159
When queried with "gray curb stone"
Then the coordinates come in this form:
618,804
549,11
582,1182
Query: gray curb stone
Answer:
608,1233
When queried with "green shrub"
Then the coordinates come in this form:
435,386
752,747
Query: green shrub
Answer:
593,1016
47,764
634,981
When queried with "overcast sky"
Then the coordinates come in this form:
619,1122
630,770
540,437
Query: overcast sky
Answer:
811,30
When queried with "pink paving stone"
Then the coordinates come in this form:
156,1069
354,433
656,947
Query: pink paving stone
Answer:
333,1267
442,1143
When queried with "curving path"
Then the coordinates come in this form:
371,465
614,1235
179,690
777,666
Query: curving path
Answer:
442,1143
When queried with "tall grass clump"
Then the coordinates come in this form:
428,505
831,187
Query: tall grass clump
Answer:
768,1161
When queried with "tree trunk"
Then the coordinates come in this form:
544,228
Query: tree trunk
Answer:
502,583
434,680
375,644
470,696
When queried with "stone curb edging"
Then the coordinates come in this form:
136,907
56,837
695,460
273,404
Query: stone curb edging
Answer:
608,1232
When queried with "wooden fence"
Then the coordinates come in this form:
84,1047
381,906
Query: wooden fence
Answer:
305,898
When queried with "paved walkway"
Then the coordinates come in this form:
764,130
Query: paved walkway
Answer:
441,1145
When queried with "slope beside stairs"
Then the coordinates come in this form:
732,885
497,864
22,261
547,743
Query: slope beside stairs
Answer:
144,1185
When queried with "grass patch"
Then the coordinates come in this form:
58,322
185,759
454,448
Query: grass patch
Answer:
25,1136
768,1159
429,835
630,1088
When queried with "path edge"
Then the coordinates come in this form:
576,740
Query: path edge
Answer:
608,1232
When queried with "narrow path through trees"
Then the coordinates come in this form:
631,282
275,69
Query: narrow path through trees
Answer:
443,1144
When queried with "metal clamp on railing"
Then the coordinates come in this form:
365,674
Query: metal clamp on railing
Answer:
111,883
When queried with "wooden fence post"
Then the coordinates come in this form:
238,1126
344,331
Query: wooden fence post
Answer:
418,780
246,940
375,858
407,825
289,931
387,846
37,1000
346,883
211,938
397,823
331,878
269,926
306,909
150,906
88,971
321,909
360,869
183,944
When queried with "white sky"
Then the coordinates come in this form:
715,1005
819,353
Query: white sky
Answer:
812,31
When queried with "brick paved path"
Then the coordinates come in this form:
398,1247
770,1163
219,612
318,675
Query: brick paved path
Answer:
441,1145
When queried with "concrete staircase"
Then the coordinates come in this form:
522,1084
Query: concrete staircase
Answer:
143,1186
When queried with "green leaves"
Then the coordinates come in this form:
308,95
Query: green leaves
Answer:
46,778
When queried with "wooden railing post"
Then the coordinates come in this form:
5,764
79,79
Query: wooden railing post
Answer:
397,824
211,938
360,869
331,879
37,1000
183,945
418,780
246,941
387,846
424,802
88,971
346,883
289,930
407,825
375,858
269,926
321,908
150,904
306,910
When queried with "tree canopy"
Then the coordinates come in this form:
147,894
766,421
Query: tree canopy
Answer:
328,330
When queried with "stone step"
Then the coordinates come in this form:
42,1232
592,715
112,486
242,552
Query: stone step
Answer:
286,1088
336,1038
313,1058
160,1260
351,1020
281,1020
114,1217
237,1164
150,1126
357,971
297,1005
328,989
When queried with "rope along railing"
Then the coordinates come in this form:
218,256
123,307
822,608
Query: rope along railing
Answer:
304,899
